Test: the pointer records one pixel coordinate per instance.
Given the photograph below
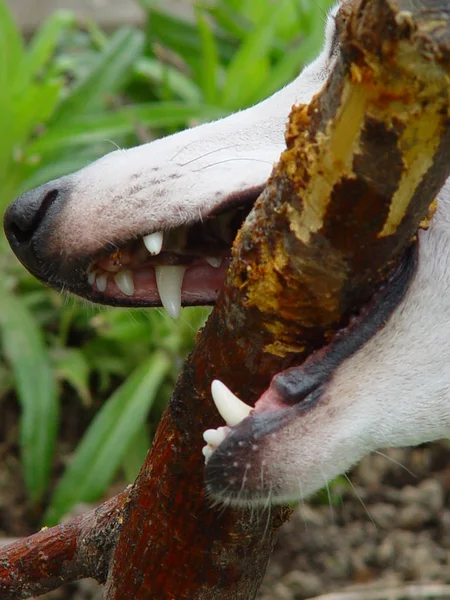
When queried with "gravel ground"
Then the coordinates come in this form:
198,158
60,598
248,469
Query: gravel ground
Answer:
390,527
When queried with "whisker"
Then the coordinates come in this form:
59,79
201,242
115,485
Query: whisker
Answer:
116,146
219,162
361,500
269,514
301,506
244,479
209,153
396,462
330,502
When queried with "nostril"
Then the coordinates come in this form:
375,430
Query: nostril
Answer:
25,222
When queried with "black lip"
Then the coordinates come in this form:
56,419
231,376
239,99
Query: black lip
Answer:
296,384
233,473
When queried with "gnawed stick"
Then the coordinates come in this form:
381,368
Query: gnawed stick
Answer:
61,554
305,260
363,164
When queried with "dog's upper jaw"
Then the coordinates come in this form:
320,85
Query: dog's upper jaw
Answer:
88,231
180,179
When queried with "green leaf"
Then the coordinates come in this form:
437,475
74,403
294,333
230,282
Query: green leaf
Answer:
45,41
112,68
136,453
250,64
27,355
34,108
11,46
255,9
210,60
287,68
88,129
55,166
158,73
103,447
183,38
230,20
71,366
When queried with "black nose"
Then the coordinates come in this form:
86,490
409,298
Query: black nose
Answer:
25,216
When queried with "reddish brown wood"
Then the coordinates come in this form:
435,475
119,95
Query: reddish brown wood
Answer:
58,555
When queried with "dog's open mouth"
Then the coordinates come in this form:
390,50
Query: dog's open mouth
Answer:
181,266
183,263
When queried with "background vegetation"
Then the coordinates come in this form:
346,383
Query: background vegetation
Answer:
68,96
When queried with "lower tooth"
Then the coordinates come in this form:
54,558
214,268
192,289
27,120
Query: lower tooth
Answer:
91,277
169,281
125,282
214,261
101,282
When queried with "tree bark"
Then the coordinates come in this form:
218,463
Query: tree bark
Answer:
363,164
57,555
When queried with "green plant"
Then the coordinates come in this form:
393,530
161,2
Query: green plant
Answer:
65,98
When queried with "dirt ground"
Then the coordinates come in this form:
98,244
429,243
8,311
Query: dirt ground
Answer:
388,525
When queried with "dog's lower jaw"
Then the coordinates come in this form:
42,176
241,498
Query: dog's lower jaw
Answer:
394,391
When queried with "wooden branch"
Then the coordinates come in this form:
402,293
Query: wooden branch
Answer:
58,555
364,162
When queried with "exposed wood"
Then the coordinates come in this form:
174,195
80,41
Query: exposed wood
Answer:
364,161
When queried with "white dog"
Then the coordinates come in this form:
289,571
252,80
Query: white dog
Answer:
154,224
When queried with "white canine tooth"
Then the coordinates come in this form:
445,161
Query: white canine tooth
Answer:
101,282
231,409
91,277
125,282
153,242
214,261
169,280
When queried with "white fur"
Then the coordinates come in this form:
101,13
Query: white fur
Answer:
181,178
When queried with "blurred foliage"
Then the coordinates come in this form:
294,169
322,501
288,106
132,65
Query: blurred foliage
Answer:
66,98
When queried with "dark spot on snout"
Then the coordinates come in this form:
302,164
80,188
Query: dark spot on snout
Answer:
28,222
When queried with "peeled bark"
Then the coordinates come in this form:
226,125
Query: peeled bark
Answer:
363,164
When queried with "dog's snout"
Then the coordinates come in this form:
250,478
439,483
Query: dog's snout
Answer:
23,217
